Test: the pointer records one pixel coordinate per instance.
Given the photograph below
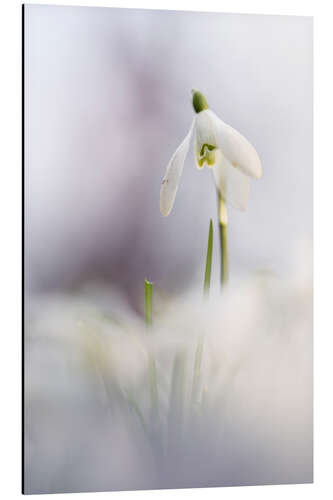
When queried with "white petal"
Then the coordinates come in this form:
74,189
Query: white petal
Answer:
197,152
205,128
232,183
204,134
236,148
172,175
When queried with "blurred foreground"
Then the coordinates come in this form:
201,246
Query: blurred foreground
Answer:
89,420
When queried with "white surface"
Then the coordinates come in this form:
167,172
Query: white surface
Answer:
10,272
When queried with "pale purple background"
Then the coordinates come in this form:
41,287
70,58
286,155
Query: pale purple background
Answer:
108,102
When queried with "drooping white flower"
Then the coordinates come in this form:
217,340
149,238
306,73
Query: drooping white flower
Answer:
232,158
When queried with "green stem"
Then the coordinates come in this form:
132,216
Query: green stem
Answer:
151,360
223,223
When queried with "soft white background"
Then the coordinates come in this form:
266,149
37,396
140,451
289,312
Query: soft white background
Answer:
10,248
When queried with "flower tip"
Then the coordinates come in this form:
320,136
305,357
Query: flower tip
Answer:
199,101
259,172
164,211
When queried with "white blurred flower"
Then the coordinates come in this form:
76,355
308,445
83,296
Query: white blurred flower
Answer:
232,158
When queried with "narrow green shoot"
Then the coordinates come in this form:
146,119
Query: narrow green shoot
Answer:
209,256
151,360
199,350
148,303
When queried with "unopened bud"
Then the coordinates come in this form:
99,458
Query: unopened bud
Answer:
199,101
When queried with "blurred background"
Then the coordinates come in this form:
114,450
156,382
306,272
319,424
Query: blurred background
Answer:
107,96
107,102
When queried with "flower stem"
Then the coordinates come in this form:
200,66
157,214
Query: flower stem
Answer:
151,361
208,269
223,223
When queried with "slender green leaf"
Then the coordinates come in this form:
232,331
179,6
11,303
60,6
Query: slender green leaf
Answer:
151,360
209,258
148,303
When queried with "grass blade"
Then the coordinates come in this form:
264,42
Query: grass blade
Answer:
148,303
151,360
209,258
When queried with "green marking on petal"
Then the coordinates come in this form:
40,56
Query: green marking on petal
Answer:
207,155
208,146
210,158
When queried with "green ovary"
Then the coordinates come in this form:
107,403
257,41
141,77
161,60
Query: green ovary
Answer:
207,155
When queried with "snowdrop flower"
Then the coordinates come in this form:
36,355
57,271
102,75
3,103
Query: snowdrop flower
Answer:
232,158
